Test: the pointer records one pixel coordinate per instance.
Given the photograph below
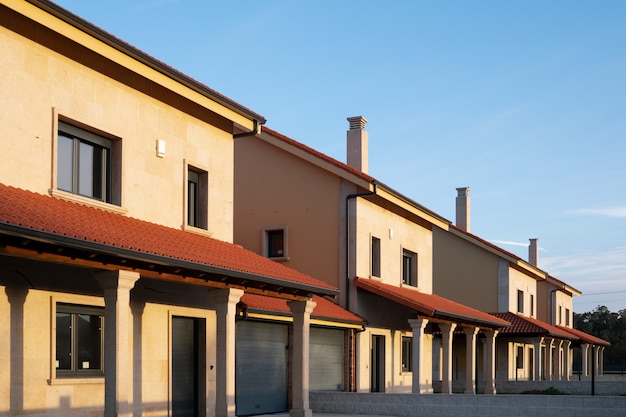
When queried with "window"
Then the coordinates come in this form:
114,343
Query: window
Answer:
520,301
409,268
560,315
84,164
197,197
567,316
407,351
532,305
275,243
375,257
79,340
520,357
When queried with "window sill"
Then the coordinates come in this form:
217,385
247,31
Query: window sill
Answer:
64,195
197,230
280,258
70,380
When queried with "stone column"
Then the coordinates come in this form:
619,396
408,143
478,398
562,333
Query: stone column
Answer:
601,360
225,301
490,362
549,358
558,360
301,311
584,354
420,373
567,360
447,332
16,295
597,361
538,360
470,361
118,359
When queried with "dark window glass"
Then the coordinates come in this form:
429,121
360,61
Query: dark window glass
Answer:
520,301
275,243
409,268
375,257
83,163
79,340
193,192
407,352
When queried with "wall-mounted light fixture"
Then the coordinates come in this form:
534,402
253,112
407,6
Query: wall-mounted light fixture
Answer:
160,148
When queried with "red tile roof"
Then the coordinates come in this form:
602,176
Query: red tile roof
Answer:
325,309
585,337
430,304
33,214
527,326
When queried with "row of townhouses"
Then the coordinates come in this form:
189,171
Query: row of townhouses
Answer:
162,252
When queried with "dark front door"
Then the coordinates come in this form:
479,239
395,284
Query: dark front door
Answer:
378,364
186,369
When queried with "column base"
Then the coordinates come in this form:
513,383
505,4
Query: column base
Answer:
301,413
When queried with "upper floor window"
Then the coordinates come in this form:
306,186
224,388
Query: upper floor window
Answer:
532,305
197,197
409,268
375,257
79,340
567,317
560,315
84,163
88,164
275,243
520,301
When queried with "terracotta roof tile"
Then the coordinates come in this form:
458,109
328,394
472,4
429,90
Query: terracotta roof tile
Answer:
585,337
430,304
324,309
42,213
525,326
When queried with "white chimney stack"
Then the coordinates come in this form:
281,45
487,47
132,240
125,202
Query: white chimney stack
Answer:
533,252
463,209
357,143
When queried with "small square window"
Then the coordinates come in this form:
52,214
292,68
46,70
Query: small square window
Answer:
409,268
275,243
375,257
407,352
79,340
197,197
86,164
520,301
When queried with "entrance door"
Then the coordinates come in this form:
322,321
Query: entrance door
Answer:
378,364
187,367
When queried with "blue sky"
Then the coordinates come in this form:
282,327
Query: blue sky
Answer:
524,102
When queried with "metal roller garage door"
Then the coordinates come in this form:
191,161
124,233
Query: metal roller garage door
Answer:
261,361
326,359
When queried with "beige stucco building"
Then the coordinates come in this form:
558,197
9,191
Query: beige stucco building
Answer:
121,292
540,343
332,220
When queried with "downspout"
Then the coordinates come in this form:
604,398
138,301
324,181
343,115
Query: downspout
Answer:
254,131
348,198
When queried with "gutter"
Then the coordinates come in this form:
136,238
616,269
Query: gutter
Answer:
101,248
